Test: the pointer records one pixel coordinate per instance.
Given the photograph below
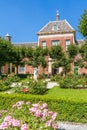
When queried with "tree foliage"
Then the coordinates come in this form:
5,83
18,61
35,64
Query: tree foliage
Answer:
83,51
5,52
60,58
72,51
38,57
56,52
18,56
83,24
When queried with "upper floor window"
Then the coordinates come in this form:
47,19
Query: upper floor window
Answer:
44,44
67,44
55,28
55,42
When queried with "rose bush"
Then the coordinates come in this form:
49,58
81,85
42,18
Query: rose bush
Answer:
27,116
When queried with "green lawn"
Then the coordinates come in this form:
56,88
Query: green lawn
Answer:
69,94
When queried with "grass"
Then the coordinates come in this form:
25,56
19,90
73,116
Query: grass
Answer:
78,95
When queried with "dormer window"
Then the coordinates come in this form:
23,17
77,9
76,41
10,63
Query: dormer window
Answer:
55,28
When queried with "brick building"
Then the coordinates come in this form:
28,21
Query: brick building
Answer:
58,32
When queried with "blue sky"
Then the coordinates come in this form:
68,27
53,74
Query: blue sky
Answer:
22,19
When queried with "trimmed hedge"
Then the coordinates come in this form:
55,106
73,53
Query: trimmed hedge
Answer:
67,110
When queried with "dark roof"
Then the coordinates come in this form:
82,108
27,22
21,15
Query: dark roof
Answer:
27,44
63,27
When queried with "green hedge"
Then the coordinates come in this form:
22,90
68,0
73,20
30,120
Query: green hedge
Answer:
67,110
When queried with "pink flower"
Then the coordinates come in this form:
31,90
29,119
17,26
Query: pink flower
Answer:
49,123
8,118
15,122
44,105
38,113
18,104
50,113
33,110
55,125
36,105
28,103
24,127
54,115
4,125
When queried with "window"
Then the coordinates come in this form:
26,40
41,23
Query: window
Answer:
67,44
43,44
55,42
22,68
55,28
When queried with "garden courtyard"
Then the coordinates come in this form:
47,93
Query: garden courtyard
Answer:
27,104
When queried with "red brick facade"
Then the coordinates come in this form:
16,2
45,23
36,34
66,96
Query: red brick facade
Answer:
61,39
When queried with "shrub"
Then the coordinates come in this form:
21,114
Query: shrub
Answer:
42,76
12,79
73,82
38,87
68,109
3,86
56,78
32,87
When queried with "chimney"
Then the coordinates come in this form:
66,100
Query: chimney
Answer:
57,16
8,37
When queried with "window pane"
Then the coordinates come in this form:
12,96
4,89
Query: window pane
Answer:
67,44
55,42
55,28
22,69
44,44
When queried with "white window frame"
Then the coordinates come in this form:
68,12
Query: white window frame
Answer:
55,42
67,44
44,44
55,28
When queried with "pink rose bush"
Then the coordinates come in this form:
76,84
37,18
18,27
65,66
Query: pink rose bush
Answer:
27,116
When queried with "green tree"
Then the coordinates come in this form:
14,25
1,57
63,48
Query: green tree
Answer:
56,52
17,57
5,52
83,24
72,51
83,51
60,58
38,57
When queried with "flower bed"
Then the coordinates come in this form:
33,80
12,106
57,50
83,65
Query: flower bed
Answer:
28,116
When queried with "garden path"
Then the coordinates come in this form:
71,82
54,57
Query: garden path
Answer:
72,126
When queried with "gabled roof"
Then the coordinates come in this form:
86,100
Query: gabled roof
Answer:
63,27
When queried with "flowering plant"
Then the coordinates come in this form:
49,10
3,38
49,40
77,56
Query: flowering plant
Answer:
27,116
25,90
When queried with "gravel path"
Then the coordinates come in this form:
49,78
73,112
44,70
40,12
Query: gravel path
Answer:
72,126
